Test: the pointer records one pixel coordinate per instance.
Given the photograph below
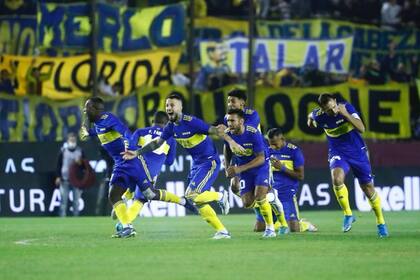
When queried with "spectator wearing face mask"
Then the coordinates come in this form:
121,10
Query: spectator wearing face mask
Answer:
70,153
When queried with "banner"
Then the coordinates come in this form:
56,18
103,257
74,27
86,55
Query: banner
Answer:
384,109
68,77
27,173
119,28
274,55
17,35
370,41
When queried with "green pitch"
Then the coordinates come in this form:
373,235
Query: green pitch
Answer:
180,248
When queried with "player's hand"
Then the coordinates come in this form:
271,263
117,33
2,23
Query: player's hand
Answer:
236,148
235,185
127,155
341,109
57,181
220,130
232,171
84,134
276,163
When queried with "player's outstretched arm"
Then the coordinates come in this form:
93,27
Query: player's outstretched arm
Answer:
153,145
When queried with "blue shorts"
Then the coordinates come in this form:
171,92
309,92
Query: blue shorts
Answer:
250,179
203,175
129,175
290,204
358,162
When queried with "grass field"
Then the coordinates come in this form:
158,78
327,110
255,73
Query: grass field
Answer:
180,248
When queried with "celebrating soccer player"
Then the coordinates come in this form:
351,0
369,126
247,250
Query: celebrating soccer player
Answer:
251,165
193,134
343,127
114,137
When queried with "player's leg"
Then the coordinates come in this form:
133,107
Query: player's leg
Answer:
146,179
137,204
363,172
201,178
265,209
281,225
64,197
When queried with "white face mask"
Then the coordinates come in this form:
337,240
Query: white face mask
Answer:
71,145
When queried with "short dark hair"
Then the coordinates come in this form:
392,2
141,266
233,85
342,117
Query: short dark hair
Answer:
98,102
160,117
174,96
324,98
238,93
238,112
274,132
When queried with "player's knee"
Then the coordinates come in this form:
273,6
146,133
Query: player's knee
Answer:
338,180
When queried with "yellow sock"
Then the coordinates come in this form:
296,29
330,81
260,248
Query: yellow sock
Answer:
121,212
277,225
134,210
169,197
281,219
208,214
128,195
342,195
206,197
303,225
375,202
265,210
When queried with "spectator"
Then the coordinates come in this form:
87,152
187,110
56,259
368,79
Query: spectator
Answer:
300,8
374,74
215,73
35,79
280,9
69,154
400,75
410,13
263,8
286,78
390,14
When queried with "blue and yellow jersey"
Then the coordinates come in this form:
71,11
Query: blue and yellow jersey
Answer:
341,134
192,134
165,154
113,135
291,157
252,141
251,119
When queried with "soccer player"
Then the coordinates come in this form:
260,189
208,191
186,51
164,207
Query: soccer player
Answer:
153,161
288,169
114,136
193,134
343,127
252,166
237,100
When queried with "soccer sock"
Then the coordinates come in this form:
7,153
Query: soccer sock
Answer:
128,195
208,214
207,196
280,215
342,195
375,202
134,210
121,212
303,225
265,210
169,197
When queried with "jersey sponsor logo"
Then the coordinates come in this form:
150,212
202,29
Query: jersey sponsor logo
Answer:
334,158
186,133
251,129
187,118
104,116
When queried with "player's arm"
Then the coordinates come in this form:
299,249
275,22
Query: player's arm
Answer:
257,161
311,121
170,158
296,173
227,153
352,117
151,146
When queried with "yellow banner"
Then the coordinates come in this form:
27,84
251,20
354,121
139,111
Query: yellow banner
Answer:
68,77
384,110
274,55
